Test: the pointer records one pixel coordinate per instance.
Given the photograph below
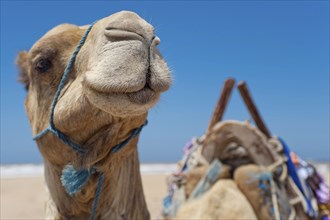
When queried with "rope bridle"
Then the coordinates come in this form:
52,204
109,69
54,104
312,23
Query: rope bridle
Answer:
73,180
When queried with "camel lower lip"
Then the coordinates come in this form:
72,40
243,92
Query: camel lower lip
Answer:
141,97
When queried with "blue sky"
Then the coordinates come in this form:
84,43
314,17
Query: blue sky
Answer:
281,48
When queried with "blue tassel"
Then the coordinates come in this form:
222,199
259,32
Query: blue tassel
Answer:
74,180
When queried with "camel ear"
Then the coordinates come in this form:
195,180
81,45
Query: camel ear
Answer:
22,62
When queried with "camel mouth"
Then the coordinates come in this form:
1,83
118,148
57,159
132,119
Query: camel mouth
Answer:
141,96
109,85
126,72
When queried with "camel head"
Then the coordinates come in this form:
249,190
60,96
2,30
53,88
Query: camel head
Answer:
118,73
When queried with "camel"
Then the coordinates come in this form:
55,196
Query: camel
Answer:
117,76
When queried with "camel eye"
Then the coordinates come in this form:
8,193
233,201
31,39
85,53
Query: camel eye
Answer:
43,65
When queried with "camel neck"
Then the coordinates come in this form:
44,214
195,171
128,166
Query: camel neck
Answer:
122,192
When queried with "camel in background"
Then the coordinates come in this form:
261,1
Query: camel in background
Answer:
118,75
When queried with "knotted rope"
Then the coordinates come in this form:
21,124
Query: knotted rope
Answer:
74,180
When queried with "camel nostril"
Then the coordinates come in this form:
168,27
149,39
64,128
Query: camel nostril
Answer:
155,41
114,34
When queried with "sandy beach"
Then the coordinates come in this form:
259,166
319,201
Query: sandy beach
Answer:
24,197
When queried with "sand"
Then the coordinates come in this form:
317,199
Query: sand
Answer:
24,198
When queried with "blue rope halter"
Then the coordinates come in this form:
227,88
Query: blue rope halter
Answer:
74,180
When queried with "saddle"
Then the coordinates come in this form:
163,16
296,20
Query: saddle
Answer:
239,171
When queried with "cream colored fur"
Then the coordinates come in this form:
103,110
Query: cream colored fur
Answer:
117,77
